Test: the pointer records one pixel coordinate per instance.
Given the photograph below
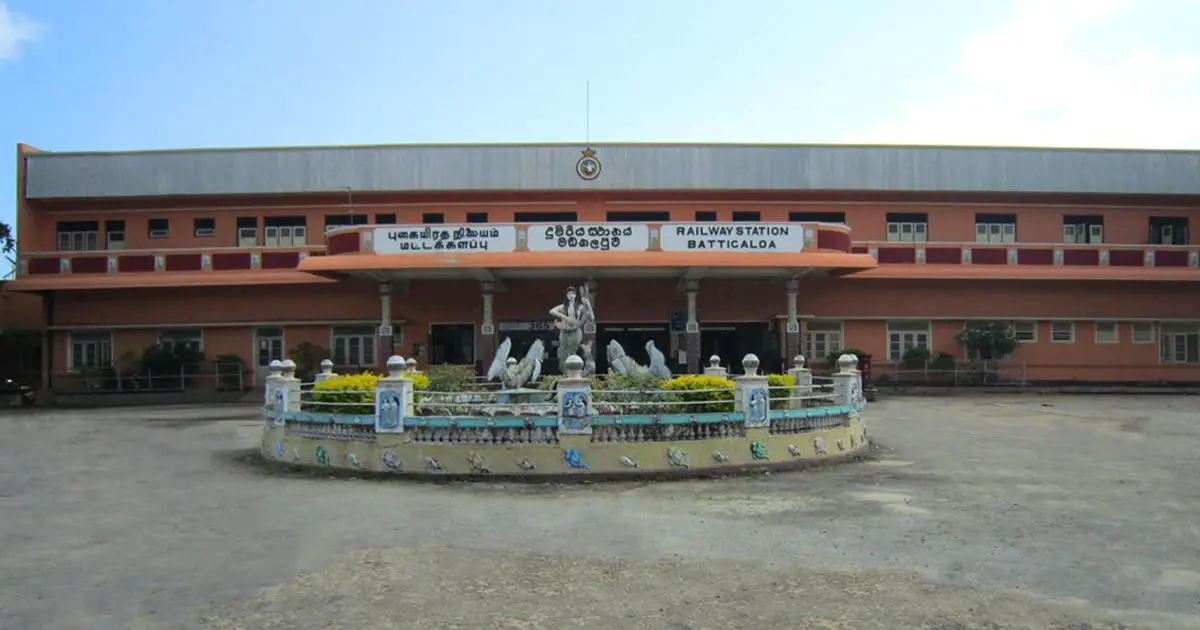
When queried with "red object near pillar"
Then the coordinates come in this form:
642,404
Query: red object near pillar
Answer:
864,366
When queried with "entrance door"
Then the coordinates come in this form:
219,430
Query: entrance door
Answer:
452,344
633,338
269,347
733,341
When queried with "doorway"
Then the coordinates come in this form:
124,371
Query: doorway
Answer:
268,347
734,340
452,344
633,338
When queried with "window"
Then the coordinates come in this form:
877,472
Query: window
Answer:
904,337
1078,228
1168,230
823,339
343,220
354,346
291,231
78,236
545,217
1141,332
387,218
433,217
89,351
747,216
1062,332
1025,332
270,345
247,231
174,338
635,215
1107,332
204,227
115,234
477,217
817,217
907,227
995,228
705,216
1179,343
159,228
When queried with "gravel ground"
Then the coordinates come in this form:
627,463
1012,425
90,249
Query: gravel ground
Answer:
987,512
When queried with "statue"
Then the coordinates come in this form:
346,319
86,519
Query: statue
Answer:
589,361
571,318
625,365
515,374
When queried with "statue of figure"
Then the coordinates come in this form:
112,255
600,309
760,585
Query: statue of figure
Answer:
621,363
658,361
515,374
589,361
571,318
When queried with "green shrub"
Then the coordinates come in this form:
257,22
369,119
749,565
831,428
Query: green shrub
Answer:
616,394
832,357
779,395
451,378
698,388
353,393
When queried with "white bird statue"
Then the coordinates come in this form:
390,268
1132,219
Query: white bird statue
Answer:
658,361
514,374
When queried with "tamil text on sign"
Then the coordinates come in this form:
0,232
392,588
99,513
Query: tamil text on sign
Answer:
447,238
732,237
590,237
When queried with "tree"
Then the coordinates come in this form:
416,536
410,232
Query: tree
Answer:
988,340
8,244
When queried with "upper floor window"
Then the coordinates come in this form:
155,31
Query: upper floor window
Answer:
995,228
205,227
343,220
648,216
907,227
78,236
247,231
747,216
385,218
285,231
433,218
545,217
477,217
817,217
115,234
706,216
159,228
1079,228
1168,230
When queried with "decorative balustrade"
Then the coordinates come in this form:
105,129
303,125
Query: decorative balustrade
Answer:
310,424
174,260
1032,254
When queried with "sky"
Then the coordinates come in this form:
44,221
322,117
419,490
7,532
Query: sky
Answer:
78,75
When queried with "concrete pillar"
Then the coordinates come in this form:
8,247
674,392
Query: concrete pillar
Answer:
393,398
802,377
751,396
692,330
384,347
792,347
487,327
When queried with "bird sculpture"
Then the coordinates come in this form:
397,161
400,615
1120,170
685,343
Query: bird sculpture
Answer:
514,374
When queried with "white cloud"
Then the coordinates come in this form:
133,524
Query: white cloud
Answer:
1024,84
15,30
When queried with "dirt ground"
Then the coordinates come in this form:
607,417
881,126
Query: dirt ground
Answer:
988,512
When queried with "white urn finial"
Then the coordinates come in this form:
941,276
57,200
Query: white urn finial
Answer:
326,367
573,366
798,361
289,368
395,366
750,365
276,368
714,361
847,363
410,364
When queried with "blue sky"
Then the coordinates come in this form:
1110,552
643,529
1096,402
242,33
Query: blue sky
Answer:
145,74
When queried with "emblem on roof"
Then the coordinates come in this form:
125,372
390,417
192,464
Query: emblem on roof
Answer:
588,166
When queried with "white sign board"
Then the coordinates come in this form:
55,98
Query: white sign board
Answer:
461,239
589,237
732,237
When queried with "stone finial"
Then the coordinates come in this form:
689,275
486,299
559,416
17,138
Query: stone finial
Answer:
276,368
574,366
289,368
395,366
847,363
714,361
750,365
326,367
410,365
798,362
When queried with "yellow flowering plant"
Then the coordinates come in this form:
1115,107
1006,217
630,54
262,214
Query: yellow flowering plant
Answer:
353,393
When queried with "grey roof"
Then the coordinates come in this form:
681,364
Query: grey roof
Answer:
636,167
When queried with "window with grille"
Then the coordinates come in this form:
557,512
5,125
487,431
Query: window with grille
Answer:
1179,343
822,339
89,351
78,236
353,346
904,337
1025,332
1107,332
1141,332
1062,332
